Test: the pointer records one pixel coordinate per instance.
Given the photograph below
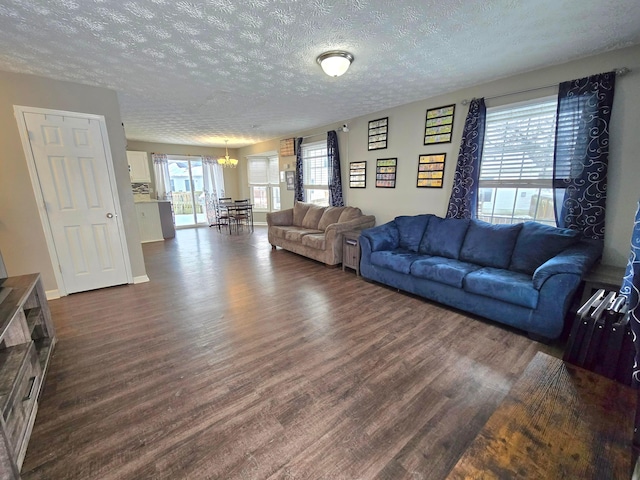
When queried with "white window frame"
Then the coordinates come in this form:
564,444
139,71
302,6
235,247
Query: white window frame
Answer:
315,168
516,176
263,172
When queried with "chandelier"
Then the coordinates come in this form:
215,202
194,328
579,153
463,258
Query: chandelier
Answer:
226,161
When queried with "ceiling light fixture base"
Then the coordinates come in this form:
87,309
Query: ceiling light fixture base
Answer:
335,62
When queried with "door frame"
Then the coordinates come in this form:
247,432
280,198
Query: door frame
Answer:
19,112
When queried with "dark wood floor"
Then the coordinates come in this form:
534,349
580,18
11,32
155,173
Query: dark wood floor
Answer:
239,362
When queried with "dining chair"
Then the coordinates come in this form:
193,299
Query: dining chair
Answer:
223,218
241,214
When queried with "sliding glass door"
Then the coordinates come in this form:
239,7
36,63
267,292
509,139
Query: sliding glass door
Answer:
185,174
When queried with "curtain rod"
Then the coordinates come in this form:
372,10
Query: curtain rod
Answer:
618,71
314,135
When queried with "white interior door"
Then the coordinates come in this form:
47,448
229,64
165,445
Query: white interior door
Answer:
70,160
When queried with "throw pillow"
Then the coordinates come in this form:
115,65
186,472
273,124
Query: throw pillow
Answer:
313,216
444,237
349,213
299,211
411,229
489,245
330,215
537,243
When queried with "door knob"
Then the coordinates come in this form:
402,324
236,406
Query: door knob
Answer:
109,215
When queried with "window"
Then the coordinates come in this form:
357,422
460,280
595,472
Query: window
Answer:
264,184
516,171
316,173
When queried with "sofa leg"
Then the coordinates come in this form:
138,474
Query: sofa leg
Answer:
273,247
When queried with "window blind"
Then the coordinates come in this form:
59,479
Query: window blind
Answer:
316,166
263,170
518,145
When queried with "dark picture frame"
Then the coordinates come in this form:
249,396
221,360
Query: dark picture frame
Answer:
431,170
378,133
439,125
386,170
358,174
290,177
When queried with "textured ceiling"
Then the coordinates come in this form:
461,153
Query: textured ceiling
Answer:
200,72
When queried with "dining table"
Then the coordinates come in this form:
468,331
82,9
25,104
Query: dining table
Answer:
240,213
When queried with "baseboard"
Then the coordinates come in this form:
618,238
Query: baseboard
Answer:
52,294
260,224
140,279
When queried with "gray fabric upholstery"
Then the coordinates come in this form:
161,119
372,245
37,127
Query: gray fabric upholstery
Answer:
298,230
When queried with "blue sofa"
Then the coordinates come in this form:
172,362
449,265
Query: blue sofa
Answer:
524,275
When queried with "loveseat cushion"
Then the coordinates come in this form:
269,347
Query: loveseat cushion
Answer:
299,211
489,245
444,237
295,234
279,231
411,230
349,213
505,285
382,237
330,215
314,240
442,270
537,243
313,216
396,260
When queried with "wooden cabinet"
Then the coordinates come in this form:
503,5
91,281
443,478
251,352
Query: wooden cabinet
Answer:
351,251
27,338
139,167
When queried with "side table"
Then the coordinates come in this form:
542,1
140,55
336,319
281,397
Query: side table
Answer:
602,276
351,251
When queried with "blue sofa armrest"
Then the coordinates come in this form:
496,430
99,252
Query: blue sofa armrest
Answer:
577,260
382,237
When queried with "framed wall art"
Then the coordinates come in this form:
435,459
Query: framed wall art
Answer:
287,147
439,125
431,170
378,133
358,175
290,179
386,169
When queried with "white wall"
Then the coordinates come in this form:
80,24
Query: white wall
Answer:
406,131
22,239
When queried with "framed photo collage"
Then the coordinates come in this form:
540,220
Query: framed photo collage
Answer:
438,129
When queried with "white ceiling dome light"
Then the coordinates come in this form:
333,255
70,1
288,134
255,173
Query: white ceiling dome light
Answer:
335,62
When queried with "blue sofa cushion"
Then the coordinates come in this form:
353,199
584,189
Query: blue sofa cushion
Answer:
443,237
505,285
489,245
443,270
537,243
411,230
396,260
382,237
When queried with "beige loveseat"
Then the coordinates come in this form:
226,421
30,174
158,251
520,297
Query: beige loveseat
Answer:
315,232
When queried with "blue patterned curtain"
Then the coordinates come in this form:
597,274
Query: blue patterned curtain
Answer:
631,289
582,153
335,178
298,186
464,195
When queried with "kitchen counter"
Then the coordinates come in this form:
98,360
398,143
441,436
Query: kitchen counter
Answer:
155,220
